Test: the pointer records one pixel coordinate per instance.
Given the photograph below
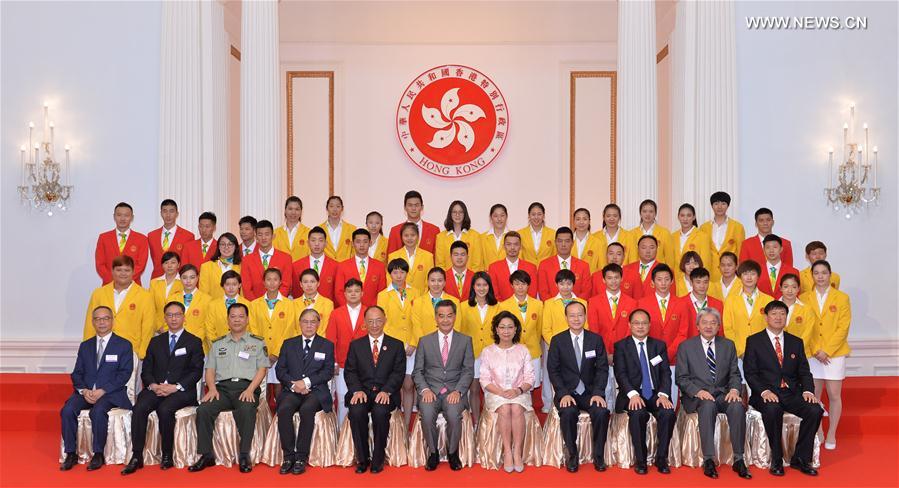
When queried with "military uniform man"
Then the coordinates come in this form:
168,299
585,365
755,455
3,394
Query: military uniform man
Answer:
235,368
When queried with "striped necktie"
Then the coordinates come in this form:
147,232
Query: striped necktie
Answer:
123,238
643,268
710,360
165,241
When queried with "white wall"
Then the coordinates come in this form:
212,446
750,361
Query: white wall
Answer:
98,65
373,172
794,92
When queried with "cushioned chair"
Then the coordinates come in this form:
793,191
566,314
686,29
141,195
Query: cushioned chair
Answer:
490,442
322,451
418,449
554,451
758,451
118,440
687,427
396,453
620,451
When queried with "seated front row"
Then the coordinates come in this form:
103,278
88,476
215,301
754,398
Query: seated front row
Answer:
776,369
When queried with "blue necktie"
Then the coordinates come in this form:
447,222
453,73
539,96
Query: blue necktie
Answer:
271,303
306,347
172,340
230,301
710,360
646,385
188,297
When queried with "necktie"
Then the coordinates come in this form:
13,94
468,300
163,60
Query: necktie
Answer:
172,341
265,258
434,302
523,307
362,270
614,303
229,302
643,268
271,303
444,352
564,264
165,241
374,351
123,238
315,265
646,384
246,251
205,248
460,279
228,260
402,294
700,306
663,307
566,301
308,301
100,348
188,297
306,346
579,356
750,300
772,272
780,358
710,359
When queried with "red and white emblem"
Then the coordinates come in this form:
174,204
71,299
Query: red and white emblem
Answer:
452,121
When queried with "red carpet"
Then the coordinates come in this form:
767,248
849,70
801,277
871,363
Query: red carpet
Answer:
867,454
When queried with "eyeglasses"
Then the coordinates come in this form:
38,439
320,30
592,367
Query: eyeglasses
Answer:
173,315
309,322
105,318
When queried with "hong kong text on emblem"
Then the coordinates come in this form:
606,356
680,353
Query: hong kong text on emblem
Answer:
452,121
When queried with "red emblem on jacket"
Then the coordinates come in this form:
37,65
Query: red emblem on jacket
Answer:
132,307
280,315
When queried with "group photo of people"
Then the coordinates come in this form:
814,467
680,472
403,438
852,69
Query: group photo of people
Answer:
502,347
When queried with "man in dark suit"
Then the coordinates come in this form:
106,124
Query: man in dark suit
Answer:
444,368
100,378
710,383
304,368
374,371
778,374
579,371
172,367
644,387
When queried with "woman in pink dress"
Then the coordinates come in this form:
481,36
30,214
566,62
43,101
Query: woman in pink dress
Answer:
507,377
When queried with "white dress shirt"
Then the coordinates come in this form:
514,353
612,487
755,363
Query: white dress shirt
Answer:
580,243
334,233
354,313
536,236
645,342
821,299
171,234
119,296
291,233
719,232
754,296
513,266
374,246
684,237
567,262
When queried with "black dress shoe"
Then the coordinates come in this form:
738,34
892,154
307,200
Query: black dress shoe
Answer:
205,461
377,468
803,466
572,464
776,469
432,461
244,463
69,462
742,471
640,468
167,462
286,466
96,463
133,465
662,467
361,467
299,467
599,465
454,461
708,469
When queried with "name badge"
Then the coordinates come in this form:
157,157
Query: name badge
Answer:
590,354
243,355
319,356
181,351
112,358
656,360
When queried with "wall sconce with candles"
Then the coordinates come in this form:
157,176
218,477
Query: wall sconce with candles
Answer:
43,187
856,185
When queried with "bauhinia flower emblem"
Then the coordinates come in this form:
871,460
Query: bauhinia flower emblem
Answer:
452,121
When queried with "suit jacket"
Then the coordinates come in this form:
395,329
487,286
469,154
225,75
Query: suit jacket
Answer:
427,239
361,374
546,277
673,327
193,252
692,372
764,373
499,275
252,273
326,273
183,366
317,365
430,372
563,370
599,316
632,285
176,244
136,246
752,249
341,331
453,289
690,312
113,372
375,280
765,285
628,372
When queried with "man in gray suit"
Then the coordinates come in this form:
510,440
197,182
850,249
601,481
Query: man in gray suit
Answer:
710,382
444,369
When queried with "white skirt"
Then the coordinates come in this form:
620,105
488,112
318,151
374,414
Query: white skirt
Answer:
410,363
836,370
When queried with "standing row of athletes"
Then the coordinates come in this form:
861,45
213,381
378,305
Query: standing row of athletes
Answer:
339,270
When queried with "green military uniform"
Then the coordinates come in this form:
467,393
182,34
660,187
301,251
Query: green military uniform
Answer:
235,363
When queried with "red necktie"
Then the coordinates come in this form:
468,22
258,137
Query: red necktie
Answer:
780,359
374,351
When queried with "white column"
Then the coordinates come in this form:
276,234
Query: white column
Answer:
704,142
261,171
638,146
180,131
215,53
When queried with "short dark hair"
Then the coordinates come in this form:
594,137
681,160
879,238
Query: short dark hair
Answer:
188,267
265,224
269,271
612,268
445,303
175,304
520,275
813,246
234,305
123,205
630,318
208,216
102,307
512,234
410,225
362,232
790,276
564,230
687,206
293,199
458,245
374,307
169,255
729,255
690,256
122,260
466,219
309,272
772,238
700,272
168,202
439,271
763,211
776,305
614,244
749,265
230,275
352,282
536,205
720,196
821,262
565,275
575,302
494,323
412,194
317,230
397,263
491,295
662,268
248,219
648,236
